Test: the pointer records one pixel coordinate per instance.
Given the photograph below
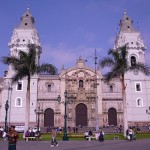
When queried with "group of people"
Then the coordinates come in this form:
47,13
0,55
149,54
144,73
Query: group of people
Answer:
30,133
131,133
118,129
98,135
13,136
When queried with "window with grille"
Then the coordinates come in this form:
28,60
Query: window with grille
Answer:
18,102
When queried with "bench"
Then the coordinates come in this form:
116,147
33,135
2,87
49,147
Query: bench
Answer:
29,137
90,137
32,138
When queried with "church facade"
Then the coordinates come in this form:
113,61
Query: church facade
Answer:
89,99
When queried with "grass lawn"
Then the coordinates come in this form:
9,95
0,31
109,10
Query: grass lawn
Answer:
71,136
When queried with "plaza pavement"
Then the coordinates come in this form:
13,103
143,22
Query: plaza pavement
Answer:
81,145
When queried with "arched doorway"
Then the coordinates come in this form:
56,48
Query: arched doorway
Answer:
49,118
81,114
112,116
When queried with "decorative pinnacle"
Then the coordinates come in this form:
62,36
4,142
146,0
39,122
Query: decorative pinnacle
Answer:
125,13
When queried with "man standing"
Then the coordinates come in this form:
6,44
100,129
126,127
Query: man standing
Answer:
54,138
12,138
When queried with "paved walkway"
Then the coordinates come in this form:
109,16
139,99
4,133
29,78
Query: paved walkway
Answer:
81,145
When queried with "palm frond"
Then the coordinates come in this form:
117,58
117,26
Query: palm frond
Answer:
106,62
49,68
9,60
18,76
140,67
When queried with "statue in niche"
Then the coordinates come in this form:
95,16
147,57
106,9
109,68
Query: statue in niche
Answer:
69,115
81,84
92,106
81,95
92,115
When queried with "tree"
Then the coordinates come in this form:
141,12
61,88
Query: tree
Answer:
118,63
26,66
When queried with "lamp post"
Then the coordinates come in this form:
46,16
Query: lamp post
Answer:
65,136
148,112
6,109
38,112
96,108
96,98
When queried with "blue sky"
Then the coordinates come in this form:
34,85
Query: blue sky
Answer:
72,28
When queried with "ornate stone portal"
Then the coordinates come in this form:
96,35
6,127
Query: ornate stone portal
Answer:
80,82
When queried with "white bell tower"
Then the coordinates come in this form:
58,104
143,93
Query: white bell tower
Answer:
137,83
23,35
128,35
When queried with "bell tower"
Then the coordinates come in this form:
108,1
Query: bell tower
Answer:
136,82
132,38
23,35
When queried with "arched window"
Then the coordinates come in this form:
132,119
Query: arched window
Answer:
18,102
81,84
133,61
111,88
49,86
139,102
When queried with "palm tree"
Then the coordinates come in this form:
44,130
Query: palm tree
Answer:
25,66
118,63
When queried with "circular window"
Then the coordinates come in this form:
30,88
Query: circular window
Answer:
25,24
23,40
27,15
128,26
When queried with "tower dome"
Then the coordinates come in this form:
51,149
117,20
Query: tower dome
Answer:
126,24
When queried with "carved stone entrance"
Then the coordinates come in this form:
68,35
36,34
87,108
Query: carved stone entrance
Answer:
81,114
112,116
49,118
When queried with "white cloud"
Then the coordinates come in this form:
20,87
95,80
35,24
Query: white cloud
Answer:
57,55
62,55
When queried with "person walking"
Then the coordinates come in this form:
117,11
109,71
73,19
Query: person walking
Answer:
13,136
134,133
54,138
130,133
